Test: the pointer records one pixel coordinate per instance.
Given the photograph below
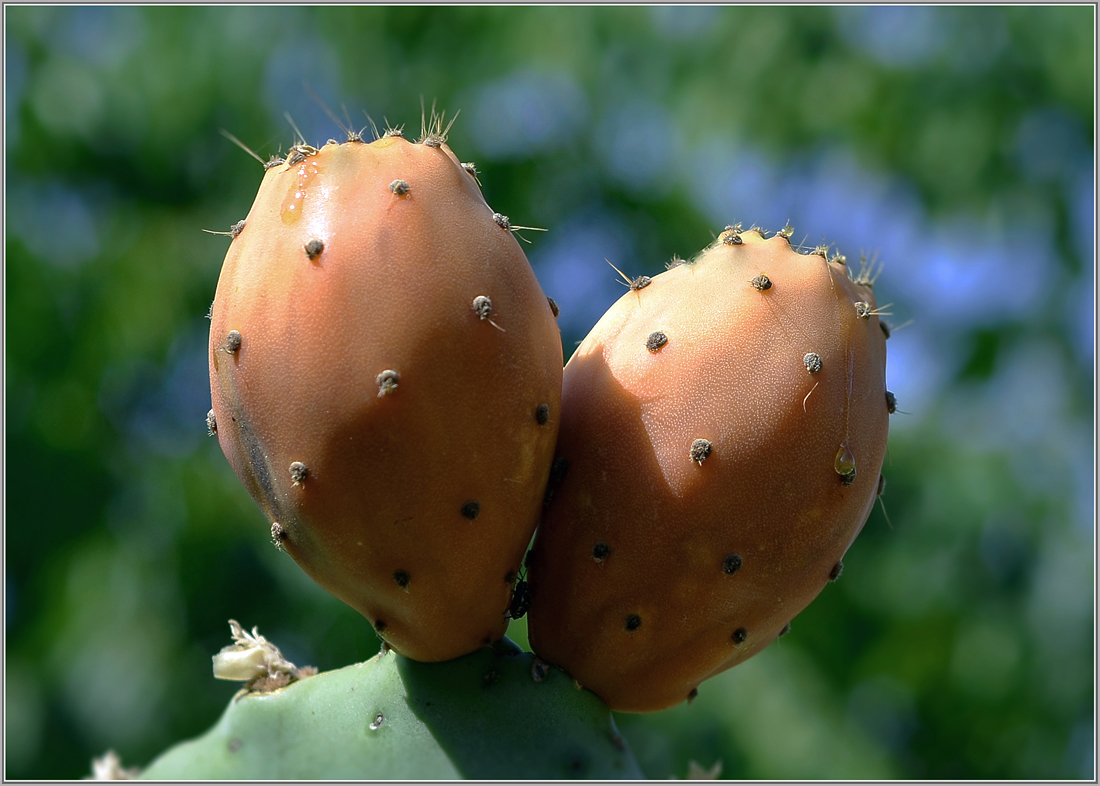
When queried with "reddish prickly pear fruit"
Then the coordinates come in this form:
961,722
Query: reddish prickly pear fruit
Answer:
386,381
723,428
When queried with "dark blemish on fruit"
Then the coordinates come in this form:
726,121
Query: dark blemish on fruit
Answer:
387,382
633,622
834,574
885,327
731,235
510,577
786,232
739,636
298,472
278,535
553,307
656,340
761,283
558,471
700,449
233,342
483,306
542,414
732,563
471,509
891,402
812,361
401,578
692,695
521,601
379,625
600,551
211,424
314,248
399,188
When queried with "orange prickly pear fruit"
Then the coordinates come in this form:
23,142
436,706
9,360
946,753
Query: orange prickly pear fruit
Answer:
386,381
723,429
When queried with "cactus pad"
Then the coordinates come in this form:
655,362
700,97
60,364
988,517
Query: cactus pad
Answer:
493,714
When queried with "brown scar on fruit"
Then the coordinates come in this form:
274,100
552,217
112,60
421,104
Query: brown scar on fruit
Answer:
314,248
655,341
632,622
731,236
432,131
387,382
634,284
700,450
739,636
278,536
761,283
401,579
233,232
504,222
232,342
471,509
600,552
558,470
483,307
471,170
732,563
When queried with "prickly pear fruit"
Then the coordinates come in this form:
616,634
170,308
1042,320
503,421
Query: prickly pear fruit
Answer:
723,428
495,714
386,378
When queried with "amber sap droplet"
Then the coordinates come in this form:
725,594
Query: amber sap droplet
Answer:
295,199
845,464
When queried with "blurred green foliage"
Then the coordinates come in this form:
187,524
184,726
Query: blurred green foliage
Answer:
955,140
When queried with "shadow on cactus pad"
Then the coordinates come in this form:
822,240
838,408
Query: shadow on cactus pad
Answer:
498,713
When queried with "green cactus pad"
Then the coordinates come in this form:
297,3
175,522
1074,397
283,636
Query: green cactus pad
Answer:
481,716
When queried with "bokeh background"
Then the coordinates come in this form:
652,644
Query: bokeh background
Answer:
955,143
